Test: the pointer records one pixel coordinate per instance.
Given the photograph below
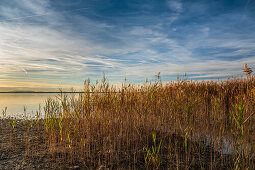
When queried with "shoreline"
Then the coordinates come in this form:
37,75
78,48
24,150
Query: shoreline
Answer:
21,149
28,149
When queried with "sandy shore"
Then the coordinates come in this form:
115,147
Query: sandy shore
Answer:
22,150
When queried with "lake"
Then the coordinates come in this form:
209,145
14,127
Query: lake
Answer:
15,103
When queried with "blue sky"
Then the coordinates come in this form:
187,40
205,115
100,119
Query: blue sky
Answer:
51,44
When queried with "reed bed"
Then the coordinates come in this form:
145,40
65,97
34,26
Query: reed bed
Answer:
175,125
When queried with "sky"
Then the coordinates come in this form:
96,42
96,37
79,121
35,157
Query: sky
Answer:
50,44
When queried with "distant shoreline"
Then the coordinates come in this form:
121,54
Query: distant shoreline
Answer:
54,92
41,92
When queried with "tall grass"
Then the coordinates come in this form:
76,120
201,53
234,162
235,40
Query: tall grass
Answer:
190,119
176,125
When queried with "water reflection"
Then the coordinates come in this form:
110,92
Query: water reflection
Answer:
15,103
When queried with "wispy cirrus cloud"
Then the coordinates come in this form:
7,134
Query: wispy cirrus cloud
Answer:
175,5
64,44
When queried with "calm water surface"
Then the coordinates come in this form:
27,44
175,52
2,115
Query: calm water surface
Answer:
15,103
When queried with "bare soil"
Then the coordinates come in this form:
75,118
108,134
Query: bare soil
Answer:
21,151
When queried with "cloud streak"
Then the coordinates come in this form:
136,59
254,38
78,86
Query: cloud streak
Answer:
41,42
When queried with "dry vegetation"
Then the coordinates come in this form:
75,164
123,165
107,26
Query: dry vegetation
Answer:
178,125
